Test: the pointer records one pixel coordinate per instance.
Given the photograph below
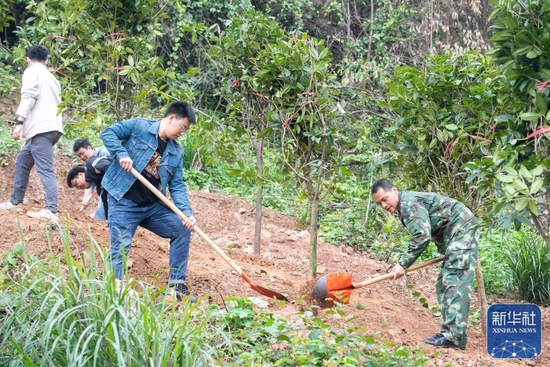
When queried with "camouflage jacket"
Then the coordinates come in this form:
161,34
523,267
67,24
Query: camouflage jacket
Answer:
432,216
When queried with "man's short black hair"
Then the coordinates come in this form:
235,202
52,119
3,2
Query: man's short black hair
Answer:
37,53
81,143
73,173
181,110
383,184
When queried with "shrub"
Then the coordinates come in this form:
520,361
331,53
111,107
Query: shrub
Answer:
492,255
8,146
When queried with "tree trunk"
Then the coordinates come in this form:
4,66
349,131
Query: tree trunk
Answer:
313,237
371,31
482,296
259,190
541,229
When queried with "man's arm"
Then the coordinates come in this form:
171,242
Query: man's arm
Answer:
181,200
16,133
86,199
30,87
113,136
102,152
100,164
178,192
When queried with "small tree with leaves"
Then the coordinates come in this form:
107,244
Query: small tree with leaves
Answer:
238,52
520,165
104,49
446,115
295,73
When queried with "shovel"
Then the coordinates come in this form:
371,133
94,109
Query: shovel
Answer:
338,286
266,292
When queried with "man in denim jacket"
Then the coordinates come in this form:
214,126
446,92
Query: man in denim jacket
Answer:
151,148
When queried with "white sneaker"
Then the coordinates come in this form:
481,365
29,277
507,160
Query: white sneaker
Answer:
44,214
7,206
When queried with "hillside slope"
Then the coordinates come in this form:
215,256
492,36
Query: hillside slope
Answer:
387,308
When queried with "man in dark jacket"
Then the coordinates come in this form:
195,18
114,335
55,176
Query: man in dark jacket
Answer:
92,174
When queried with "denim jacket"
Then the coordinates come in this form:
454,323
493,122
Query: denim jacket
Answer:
137,139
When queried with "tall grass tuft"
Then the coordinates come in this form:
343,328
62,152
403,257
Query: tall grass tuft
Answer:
528,258
69,314
496,274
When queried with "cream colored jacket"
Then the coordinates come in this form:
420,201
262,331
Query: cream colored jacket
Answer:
40,97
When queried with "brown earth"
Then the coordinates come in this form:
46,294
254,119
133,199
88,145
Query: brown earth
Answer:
387,309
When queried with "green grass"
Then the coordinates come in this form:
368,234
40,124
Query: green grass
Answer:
8,146
528,258
492,255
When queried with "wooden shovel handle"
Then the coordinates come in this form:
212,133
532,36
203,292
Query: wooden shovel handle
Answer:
390,275
179,213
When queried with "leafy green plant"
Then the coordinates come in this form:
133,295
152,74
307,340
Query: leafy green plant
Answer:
528,259
295,74
416,294
444,120
103,50
475,320
344,346
8,146
104,322
519,166
197,180
9,78
492,255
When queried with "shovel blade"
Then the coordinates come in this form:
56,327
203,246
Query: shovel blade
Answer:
333,287
266,292
269,293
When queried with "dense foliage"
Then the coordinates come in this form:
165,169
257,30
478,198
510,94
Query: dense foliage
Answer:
528,258
447,115
521,165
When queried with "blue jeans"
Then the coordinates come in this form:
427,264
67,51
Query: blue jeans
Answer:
100,212
124,218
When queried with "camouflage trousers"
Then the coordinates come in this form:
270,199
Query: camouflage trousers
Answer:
454,286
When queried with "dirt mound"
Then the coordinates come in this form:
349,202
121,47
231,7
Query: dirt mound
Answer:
388,308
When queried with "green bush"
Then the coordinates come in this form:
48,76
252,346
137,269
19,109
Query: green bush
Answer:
10,80
528,258
492,256
344,345
196,180
8,146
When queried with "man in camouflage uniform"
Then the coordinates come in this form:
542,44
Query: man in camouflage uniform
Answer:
452,226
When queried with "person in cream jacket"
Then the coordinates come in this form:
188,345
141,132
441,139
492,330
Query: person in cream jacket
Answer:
40,125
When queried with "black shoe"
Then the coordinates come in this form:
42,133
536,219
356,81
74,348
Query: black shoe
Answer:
440,341
435,336
181,291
